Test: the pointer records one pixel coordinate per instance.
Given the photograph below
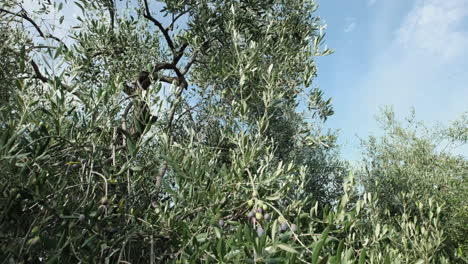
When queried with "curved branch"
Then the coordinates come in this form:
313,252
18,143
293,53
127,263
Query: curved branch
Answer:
189,64
158,24
168,79
38,73
169,66
23,14
44,79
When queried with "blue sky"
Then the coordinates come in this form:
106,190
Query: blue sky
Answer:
405,53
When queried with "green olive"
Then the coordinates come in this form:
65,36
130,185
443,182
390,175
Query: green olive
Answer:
259,216
35,230
34,240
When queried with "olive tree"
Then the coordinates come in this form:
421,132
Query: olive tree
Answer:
413,158
150,129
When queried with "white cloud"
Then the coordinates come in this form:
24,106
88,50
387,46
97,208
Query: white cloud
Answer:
434,27
351,24
350,27
371,2
419,62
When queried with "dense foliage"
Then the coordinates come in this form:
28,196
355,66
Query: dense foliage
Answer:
184,131
412,158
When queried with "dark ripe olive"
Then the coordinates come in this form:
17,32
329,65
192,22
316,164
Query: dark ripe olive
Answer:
283,226
82,218
251,214
267,217
221,223
254,220
260,231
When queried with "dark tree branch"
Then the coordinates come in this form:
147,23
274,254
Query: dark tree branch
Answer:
169,66
177,54
189,64
44,79
111,8
171,26
188,110
43,47
24,15
180,54
180,79
165,32
168,79
38,73
205,45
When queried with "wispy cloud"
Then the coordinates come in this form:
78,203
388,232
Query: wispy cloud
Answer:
371,2
434,27
419,62
351,24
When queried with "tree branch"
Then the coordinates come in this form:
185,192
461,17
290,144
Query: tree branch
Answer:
180,54
189,64
23,14
168,79
188,110
148,16
159,178
169,66
171,26
44,79
111,8
38,73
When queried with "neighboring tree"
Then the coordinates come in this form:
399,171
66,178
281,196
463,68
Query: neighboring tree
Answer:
326,172
411,158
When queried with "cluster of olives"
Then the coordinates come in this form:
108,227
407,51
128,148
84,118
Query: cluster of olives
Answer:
258,212
284,227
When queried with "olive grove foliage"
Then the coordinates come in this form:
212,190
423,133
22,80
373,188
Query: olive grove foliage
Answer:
413,158
168,132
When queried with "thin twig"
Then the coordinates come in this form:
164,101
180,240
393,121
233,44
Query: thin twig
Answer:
114,137
104,179
44,79
124,122
159,178
189,64
23,14
171,26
